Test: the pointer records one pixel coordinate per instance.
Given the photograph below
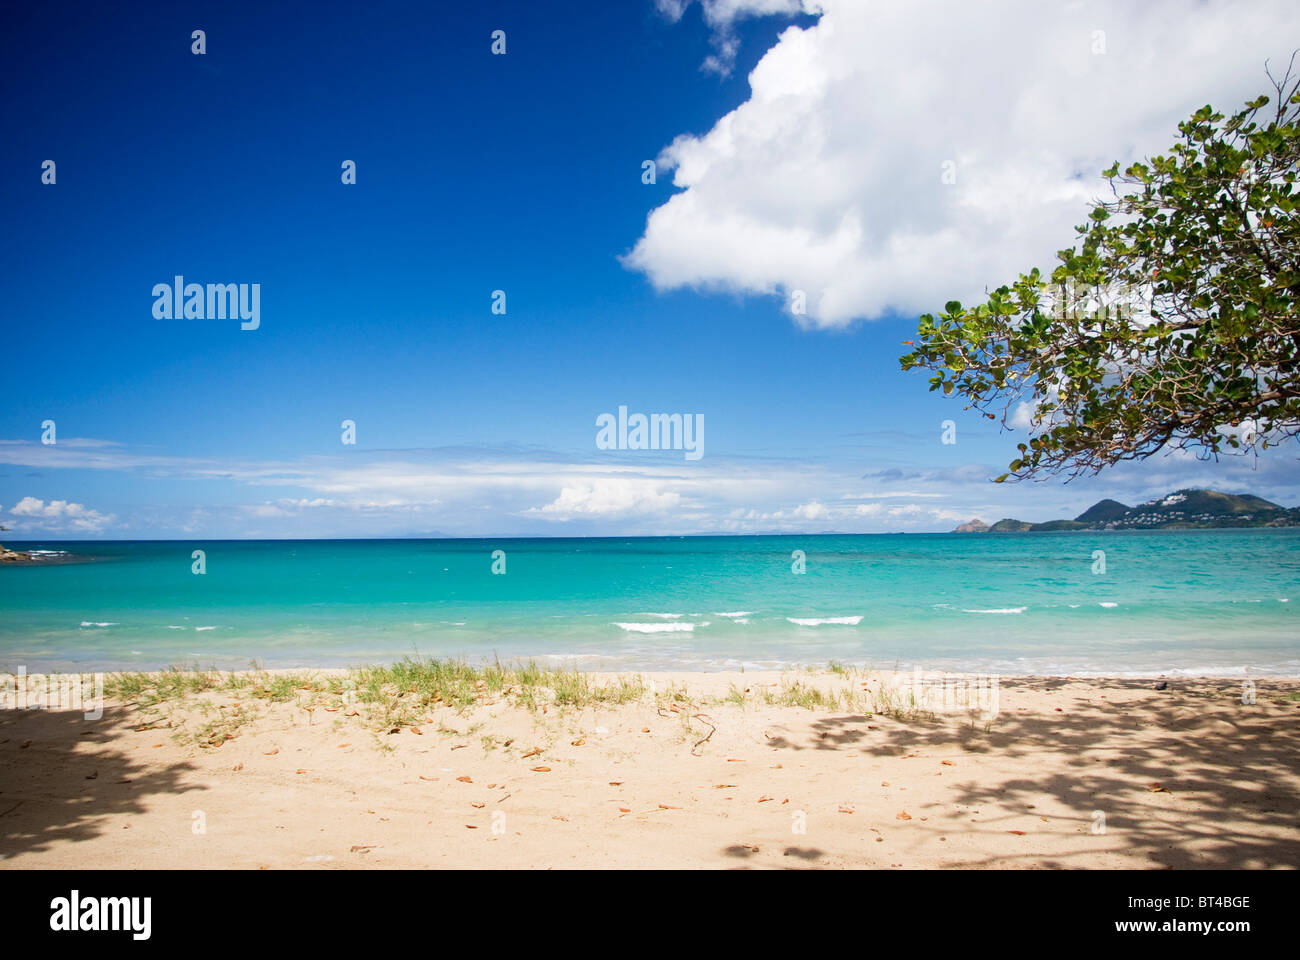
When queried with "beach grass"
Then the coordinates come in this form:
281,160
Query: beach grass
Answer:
398,695
407,693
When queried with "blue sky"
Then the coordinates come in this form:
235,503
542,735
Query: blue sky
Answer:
523,173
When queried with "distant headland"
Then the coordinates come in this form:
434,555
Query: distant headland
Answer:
1188,509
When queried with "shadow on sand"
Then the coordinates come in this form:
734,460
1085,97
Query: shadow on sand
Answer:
62,776
1186,778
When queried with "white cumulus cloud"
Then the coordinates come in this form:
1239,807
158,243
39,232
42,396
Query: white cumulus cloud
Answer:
59,515
614,496
829,179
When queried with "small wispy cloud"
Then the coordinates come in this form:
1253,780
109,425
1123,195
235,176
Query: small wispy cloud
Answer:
722,17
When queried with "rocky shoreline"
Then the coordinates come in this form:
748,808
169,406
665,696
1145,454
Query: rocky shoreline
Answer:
22,558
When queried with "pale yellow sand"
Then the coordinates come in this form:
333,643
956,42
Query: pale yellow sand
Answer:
1187,777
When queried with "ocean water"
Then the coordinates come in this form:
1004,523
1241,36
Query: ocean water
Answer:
1192,602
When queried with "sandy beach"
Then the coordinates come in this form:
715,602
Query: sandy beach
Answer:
697,770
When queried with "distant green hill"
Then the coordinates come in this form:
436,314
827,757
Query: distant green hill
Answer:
1061,525
1010,526
1183,509
1103,511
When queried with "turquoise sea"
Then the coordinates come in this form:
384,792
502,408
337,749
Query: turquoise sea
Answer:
1194,602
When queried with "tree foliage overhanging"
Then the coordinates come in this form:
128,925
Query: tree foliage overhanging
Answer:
1174,321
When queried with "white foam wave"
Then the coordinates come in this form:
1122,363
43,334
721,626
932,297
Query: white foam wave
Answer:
657,627
99,623
819,621
999,610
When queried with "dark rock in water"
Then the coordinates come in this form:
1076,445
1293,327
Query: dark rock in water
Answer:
1161,685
